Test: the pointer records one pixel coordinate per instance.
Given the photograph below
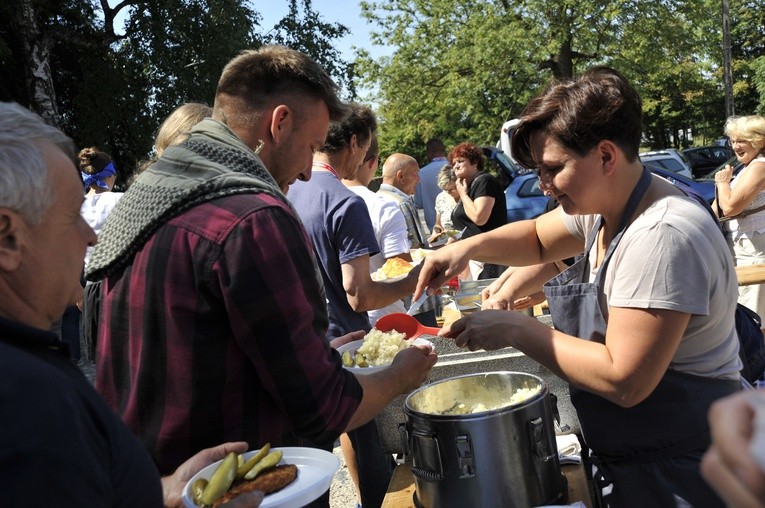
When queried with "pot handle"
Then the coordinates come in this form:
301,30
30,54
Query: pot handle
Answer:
426,446
403,435
540,445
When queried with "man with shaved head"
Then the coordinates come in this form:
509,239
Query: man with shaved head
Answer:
401,174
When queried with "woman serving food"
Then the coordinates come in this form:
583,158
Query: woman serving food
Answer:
644,321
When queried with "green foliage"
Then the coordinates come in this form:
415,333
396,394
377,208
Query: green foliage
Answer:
462,67
113,91
299,31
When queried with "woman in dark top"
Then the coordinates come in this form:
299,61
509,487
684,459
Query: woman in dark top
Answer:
482,204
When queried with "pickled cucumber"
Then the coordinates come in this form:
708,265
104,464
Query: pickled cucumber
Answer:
197,488
348,359
245,468
220,480
271,460
360,360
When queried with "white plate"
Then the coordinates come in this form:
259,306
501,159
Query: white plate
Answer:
316,468
356,344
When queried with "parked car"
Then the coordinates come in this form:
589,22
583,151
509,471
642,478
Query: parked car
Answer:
525,200
733,161
668,158
705,189
703,159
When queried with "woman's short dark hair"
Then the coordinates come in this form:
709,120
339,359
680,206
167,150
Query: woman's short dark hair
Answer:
469,151
580,113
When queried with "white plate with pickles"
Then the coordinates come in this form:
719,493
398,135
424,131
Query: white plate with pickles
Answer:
356,362
316,468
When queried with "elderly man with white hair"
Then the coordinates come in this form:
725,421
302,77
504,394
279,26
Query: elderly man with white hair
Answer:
400,176
44,397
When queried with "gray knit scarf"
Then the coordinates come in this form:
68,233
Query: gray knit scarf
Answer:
212,163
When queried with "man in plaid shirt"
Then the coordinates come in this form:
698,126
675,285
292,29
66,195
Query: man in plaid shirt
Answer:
214,316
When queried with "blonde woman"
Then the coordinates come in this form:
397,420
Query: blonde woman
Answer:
743,200
175,130
446,201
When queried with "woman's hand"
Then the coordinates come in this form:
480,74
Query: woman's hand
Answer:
491,289
441,266
724,175
172,486
462,187
488,329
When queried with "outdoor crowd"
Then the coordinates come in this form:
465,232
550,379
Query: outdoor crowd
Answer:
216,289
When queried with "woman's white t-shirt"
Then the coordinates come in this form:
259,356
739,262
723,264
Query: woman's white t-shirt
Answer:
95,209
674,257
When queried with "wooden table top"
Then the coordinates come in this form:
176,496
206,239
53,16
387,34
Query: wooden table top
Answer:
751,274
401,488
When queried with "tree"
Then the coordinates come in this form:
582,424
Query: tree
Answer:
64,59
460,68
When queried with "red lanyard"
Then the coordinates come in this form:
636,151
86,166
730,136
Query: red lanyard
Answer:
329,168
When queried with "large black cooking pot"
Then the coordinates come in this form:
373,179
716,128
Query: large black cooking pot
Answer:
501,454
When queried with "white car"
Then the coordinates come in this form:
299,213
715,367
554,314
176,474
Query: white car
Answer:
670,159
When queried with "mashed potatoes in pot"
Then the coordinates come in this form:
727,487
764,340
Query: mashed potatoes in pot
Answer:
462,408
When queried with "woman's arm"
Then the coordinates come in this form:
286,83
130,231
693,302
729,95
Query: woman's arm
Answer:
624,370
736,200
479,209
524,282
520,243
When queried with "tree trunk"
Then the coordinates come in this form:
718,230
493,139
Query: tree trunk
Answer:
38,78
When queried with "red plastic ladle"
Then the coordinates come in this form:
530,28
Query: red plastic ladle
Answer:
405,324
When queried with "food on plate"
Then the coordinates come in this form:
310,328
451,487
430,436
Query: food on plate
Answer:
269,461
197,488
444,236
235,476
378,348
269,482
419,254
462,408
394,267
248,465
220,480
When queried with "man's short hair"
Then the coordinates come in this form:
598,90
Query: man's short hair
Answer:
361,121
257,77
435,147
580,113
25,186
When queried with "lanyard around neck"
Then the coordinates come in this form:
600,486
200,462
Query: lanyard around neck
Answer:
327,167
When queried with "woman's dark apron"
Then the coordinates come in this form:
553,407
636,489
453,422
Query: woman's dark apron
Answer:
649,454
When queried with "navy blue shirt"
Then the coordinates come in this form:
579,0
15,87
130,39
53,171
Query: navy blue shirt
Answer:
338,224
60,444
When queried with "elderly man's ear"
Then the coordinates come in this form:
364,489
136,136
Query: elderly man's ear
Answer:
10,246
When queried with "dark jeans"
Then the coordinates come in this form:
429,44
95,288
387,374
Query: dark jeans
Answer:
374,465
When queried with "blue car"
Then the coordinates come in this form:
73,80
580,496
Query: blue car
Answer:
524,198
704,188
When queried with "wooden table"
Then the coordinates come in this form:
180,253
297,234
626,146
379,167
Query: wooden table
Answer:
750,274
401,488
